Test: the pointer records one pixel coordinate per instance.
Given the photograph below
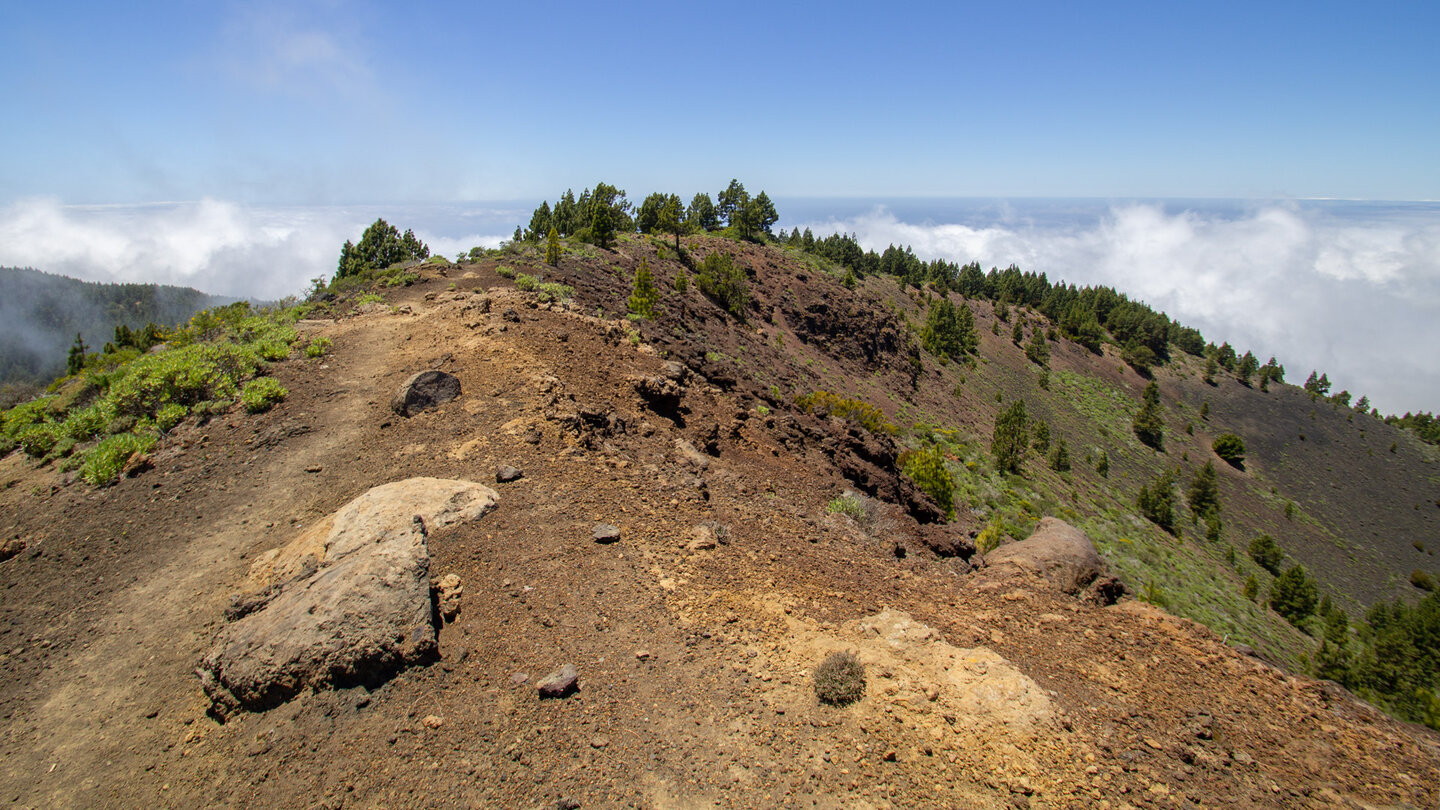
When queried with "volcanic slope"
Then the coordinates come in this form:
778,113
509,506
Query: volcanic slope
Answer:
694,657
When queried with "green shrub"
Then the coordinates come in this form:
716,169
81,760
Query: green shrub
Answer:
848,505
927,469
505,272
824,403
168,416
720,279
552,291
526,283
369,298
1266,553
1230,448
840,679
85,423
261,393
318,347
1422,580
272,350
102,465
38,440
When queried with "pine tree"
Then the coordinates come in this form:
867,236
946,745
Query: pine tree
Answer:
1293,595
602,226
1210,368
1042,436
1149,426
1036,350
552,247
1060,458
1011,437
1157,501
1204,494
644,296
75,360
1102,467
949,331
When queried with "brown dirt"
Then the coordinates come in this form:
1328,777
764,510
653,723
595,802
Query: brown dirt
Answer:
694,665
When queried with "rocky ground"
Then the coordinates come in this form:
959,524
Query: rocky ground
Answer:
694,633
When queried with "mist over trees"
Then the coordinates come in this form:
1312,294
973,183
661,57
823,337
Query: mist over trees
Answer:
41,314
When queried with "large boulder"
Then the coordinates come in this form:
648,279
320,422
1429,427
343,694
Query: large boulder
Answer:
345,603
1063,556
425,390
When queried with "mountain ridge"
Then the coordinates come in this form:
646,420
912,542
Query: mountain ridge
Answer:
117,591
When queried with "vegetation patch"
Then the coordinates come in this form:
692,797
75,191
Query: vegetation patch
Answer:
824,403
840,679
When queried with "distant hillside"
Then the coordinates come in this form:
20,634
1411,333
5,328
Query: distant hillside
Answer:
40,314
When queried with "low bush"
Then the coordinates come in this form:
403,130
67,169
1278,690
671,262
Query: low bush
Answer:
102,465
318,347
261,394
927,469
824,403
840,679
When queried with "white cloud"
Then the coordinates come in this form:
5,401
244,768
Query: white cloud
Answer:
217,247
1342,290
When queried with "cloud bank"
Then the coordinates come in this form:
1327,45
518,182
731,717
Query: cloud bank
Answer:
1350,290
215,246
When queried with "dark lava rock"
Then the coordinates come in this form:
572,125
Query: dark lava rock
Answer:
425,390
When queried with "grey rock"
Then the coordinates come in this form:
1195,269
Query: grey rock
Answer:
346,603
605,533
425,390
506,474
560,683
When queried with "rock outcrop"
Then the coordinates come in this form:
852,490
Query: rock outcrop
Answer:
347,602
1063,556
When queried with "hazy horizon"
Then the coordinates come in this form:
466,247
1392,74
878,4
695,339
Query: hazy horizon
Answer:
1344,287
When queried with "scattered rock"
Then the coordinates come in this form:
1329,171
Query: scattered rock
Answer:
506,474
560,683
599,741
605,533
643,655
448,591
425,390
432,721
510,315
702,538
346,603
518,678
11,547
533,436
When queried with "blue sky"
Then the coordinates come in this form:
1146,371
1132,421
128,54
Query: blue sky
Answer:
340,102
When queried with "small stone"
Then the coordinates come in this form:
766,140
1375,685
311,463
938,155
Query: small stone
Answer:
605,533
599,741
643,655
560,683
448,591
890,755
518,678
506,474
432,721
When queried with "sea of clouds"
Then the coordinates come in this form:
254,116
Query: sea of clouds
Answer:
1352,289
